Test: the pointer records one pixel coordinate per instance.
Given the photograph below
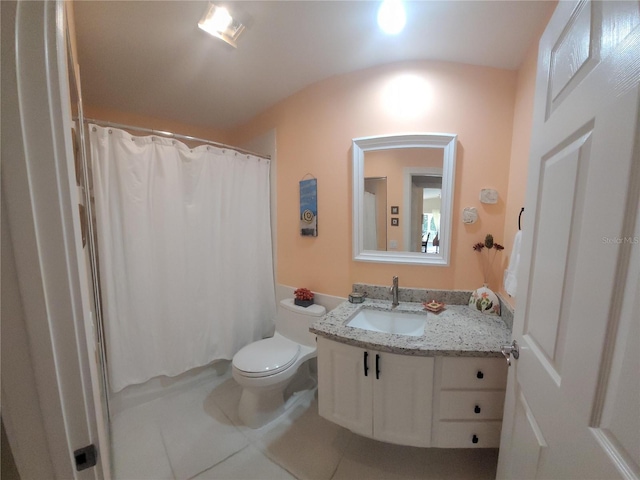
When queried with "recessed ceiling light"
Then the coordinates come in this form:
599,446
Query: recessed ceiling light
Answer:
217,21
391,17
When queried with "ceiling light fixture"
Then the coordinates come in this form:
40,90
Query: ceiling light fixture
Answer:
391,17
217,21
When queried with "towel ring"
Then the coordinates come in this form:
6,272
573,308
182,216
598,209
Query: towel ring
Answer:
519,217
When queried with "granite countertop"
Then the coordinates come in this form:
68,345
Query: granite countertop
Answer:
458,330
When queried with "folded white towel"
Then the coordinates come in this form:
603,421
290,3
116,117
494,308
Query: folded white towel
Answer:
511,274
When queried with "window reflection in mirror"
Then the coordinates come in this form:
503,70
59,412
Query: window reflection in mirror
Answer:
403,197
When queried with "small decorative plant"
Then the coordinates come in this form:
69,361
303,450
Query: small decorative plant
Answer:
487,257
304,297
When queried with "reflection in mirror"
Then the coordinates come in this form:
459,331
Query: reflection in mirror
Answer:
406,170
425,206
375,217
414,172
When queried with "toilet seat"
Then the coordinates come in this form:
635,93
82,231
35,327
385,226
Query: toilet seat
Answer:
266,357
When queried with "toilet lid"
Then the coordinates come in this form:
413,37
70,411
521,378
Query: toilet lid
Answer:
266,357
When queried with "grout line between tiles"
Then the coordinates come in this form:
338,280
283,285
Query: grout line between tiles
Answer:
218,463
346,449
166,452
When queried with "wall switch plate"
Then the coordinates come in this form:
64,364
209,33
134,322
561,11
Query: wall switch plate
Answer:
393,244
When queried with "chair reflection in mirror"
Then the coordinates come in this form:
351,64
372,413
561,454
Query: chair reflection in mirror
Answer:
425,242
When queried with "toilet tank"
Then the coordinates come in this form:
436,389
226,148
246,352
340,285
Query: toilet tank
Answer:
294,321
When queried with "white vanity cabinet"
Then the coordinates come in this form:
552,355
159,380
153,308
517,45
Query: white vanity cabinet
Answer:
468,402
376,394
446,402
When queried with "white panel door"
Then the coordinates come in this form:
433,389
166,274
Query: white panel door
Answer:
573,397
344,387
402,397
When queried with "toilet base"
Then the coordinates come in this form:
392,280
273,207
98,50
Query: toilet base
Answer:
259,406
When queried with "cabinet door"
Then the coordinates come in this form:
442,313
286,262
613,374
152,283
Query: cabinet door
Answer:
402,399
344,392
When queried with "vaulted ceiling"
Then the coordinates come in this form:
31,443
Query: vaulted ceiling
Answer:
150,57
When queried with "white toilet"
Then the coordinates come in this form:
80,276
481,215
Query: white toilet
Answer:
264,369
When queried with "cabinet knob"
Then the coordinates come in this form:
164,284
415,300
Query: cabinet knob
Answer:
474,439
477,409
480,375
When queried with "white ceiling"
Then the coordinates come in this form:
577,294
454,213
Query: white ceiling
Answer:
150,57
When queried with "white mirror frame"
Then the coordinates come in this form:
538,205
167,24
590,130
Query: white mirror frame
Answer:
445,141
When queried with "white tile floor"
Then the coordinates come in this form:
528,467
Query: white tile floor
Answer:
197,435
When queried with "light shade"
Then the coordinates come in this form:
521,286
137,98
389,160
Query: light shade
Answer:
217,21
391,17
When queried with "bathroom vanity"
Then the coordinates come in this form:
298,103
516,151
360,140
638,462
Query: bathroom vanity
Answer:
444,388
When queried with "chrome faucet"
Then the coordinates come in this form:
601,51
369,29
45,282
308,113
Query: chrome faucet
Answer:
394,292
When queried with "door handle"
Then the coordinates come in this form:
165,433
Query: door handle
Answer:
377,366
366,362
509,351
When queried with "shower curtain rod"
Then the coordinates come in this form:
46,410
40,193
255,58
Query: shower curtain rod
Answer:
105,123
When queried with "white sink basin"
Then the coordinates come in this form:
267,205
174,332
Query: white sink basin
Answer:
400,323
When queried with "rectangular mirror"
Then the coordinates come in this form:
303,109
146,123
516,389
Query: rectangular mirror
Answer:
403,197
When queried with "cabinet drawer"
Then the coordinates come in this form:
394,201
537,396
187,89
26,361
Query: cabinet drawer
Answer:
463,434
474,373
471,405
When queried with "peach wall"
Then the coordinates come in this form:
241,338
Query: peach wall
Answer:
520,145
128,118
314,129
523,117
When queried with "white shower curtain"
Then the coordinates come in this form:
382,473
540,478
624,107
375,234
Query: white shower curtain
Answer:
184,244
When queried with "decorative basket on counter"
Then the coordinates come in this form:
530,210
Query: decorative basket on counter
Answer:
303,297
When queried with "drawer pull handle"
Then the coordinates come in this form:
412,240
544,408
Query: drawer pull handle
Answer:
474,439
480,375
366,363
477,409
377,366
